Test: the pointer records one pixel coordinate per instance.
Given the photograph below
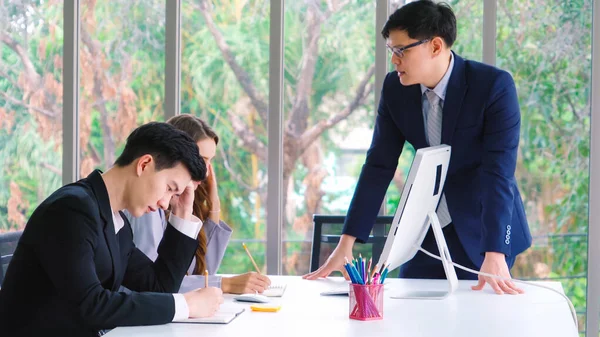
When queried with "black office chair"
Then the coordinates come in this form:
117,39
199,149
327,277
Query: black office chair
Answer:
8,244
377,237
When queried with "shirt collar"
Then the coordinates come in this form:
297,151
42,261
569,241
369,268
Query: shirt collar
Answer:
117,221
440,88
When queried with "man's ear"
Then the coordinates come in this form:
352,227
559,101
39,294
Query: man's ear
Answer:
438,45
144,163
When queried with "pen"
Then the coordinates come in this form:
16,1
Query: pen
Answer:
360,266
348,267
353,272
357,275
382,266
251,259
350,274
375,278
369,270
373,272
384,275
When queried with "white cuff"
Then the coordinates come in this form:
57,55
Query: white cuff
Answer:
190,228
182,311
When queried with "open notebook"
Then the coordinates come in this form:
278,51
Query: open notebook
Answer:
223,316
275,290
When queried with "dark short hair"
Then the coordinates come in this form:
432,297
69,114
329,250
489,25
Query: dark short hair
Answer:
167,145
423,19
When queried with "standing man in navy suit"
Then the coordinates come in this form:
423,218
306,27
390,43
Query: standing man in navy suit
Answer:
436,97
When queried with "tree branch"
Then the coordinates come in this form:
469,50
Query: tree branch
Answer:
33,81
236,176
567,96
335,7
95,54
576,113
248,138
51,168
7,77
94,153
45,112
22,53
363,90
508,13
241,75
298,117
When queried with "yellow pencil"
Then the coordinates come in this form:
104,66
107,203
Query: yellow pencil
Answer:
206,278
251,259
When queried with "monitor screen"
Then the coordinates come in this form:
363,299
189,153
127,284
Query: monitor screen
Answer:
420,196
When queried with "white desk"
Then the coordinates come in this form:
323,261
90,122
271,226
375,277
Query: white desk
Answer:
466,313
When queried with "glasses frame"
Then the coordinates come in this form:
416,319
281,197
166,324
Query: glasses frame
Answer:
399,51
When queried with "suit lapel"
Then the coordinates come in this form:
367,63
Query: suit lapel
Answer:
113,247
455,93
414,116
109,227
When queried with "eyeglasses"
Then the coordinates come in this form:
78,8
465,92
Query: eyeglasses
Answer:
400,51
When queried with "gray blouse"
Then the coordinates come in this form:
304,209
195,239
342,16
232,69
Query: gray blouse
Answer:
148,232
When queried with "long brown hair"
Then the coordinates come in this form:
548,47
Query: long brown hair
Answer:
198,130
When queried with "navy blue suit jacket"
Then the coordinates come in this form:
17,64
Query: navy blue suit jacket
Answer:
481,121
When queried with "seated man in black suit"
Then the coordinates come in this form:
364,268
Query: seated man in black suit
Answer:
77,248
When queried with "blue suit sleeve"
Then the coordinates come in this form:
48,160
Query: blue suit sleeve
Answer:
500,145
377,172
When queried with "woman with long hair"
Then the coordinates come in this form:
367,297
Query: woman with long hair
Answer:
214,234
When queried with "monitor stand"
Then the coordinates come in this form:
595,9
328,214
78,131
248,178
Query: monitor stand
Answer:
434,222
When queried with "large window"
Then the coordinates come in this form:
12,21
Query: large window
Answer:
328,114
30,107
122,65
547,48
224,80
328,109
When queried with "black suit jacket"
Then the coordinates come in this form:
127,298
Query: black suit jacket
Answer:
65,274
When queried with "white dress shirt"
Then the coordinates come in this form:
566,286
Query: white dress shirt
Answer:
440,90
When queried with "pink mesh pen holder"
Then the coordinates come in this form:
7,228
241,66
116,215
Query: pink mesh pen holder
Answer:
366,302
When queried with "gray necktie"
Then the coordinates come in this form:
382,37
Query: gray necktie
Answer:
434,135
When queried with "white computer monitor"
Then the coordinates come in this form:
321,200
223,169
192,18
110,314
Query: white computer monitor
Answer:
416,212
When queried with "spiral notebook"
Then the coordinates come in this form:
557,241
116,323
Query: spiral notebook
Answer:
223,316
275,290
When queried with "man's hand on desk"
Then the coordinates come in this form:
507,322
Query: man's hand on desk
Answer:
495,264
336,260
204,302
